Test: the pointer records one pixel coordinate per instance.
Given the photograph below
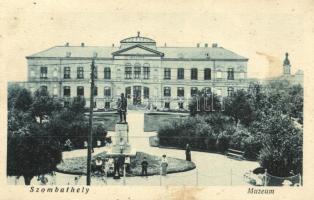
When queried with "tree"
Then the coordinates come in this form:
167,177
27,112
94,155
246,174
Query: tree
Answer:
31,149
239,107
44,104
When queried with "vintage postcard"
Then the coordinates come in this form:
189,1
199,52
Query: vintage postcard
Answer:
156,99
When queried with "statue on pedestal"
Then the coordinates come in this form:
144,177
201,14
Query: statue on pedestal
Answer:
122,108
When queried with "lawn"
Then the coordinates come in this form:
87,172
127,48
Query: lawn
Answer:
77,165
152,121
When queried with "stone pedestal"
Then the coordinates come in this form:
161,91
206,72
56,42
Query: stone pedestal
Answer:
121,139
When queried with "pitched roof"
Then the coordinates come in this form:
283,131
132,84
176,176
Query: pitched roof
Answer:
218,53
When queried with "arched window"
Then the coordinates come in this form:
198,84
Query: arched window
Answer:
107,73
107,92
193,91
180,92
194,74
167,91
137,71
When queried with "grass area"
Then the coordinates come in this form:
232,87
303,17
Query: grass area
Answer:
152,121
77,165
109,119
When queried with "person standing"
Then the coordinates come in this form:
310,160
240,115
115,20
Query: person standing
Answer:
188,152
121,145
144,167
164,165
122,108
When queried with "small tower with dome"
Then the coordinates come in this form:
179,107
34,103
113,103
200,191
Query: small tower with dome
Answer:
286,66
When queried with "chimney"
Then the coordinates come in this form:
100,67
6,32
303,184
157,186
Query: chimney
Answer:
206,45
67,44
82,44
198,45
214,45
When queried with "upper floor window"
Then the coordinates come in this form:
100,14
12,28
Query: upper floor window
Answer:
137,71
146,71
128,72
80,72
194,74
66,91
67,72
193,91
180,92
107,73
207,74
180,73
230,74
167,91
218,74
80,91
95,91
167,73
107,92
146,92
230,91
43,72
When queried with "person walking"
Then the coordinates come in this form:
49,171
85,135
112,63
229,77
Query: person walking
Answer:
122,108
144,167
188,152
164,165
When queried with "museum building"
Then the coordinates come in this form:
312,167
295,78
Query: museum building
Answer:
166,77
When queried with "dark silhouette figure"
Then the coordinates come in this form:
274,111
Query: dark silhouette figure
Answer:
188,152
144,167
122,108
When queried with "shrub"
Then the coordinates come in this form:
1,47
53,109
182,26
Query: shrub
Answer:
223,142
251,146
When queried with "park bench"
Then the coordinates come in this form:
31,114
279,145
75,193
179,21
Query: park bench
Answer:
233,153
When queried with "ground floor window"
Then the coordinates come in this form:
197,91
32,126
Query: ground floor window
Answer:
167,105
107,105
66,104
180,104
66,91
146,93
128,92
80,91
230,91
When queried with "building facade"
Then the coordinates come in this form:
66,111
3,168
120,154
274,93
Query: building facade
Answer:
165,77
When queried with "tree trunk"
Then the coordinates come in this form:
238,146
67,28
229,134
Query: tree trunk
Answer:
27,179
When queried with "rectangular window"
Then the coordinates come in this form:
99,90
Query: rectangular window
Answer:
180,104
80,72
67,73
137,72
180,92
208,90
107,92
128,72
43,87
95,91
230,74
107,105
107,73
167,105
193,91
146,93
207,74
167,91
66,91
218,74
80,91
194,74
180,73
43,72
167,73
230,91
146,71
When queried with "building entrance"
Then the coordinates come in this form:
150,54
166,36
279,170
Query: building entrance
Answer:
137,95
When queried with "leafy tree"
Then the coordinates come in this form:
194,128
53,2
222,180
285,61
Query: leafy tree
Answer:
13,92
31,149
43,104
239,107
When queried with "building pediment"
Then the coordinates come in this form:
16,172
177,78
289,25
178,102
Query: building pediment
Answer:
138,50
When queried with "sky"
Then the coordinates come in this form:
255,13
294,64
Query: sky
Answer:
262,30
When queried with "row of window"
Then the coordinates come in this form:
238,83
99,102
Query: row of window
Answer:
146,73
80,91
194,91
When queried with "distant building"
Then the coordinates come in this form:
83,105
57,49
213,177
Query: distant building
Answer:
295,79
166,77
